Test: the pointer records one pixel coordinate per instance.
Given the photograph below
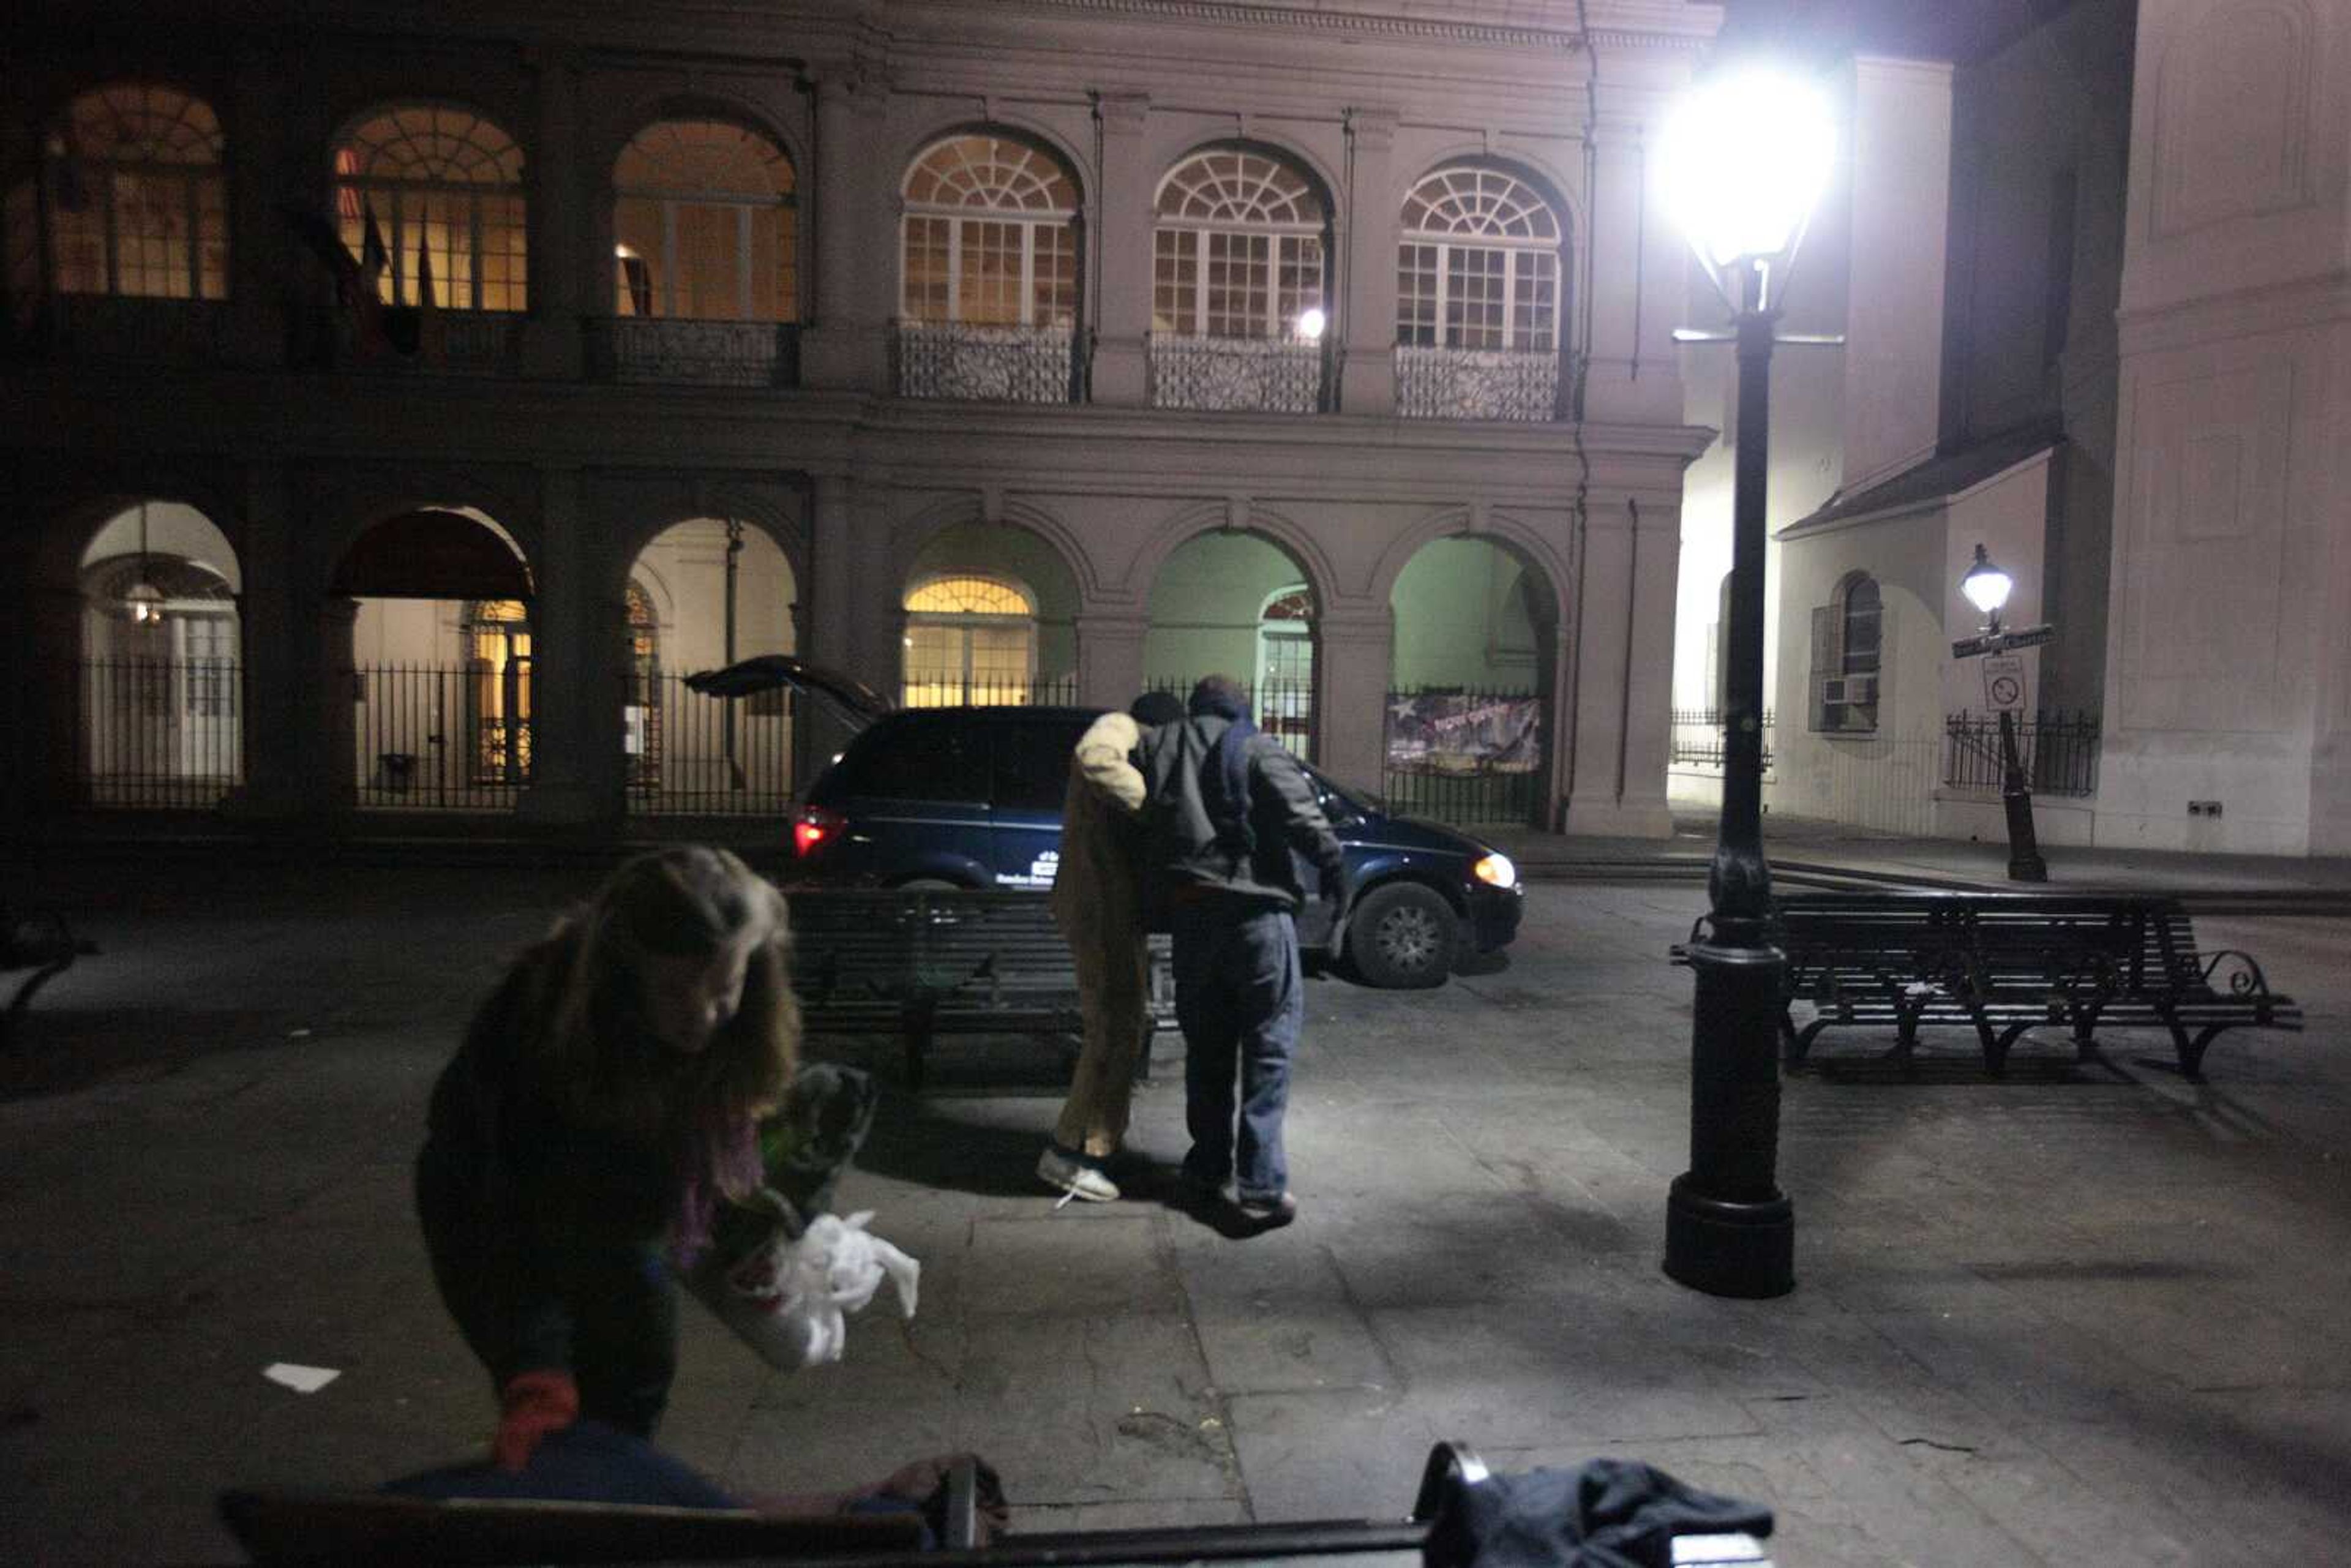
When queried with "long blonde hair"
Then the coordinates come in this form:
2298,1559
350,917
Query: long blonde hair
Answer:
593,1048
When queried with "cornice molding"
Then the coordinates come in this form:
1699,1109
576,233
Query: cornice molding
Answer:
1416,29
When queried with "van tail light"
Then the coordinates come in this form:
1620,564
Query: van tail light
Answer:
813,827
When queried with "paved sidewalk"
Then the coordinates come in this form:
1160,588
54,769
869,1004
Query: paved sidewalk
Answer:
2090,1314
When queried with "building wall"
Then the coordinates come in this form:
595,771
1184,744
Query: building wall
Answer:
2226,666
295,448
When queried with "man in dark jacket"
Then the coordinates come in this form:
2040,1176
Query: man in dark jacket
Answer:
1227,808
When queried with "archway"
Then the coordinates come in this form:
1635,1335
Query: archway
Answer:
702,594
990,618
1238,604
1469,697
440,662
161,675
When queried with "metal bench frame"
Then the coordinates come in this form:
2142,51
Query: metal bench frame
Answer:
922,963
39,941
2002,964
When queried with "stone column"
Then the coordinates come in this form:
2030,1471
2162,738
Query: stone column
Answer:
551,336
843,344
1623,667
831,615
48,693
326,773
275,721
1355,641
1368,314
577,766
1122,245
1110,652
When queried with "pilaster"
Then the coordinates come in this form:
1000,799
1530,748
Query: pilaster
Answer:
1623,671
256,180
1110,653
1367,315
551,336
272,655
1638,269
1122,242
578,757
843,344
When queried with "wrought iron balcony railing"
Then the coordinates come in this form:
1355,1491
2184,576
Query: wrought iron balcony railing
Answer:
1257,375
122,327
653,350
1475,383
984,364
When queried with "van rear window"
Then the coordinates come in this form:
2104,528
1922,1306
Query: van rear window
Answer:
915,757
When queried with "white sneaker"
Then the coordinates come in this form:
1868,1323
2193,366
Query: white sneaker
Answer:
1056,1169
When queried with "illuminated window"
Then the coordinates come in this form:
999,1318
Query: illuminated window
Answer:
498,657
444,188
706,218
989,236
1238,248
969,640
136,205
1479,264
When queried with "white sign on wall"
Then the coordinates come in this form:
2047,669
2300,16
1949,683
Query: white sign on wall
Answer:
2004,676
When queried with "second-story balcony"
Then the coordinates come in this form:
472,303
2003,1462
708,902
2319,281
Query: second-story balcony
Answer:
1253,375
984,364
124,327
1477,383
655,350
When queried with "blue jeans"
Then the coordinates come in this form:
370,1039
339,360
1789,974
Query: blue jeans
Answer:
1240,1002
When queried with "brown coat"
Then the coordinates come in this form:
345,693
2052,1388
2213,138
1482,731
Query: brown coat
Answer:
1096,898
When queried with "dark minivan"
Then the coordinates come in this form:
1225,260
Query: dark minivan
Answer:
971,798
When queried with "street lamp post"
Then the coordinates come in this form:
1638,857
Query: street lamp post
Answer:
1742,162
1987,588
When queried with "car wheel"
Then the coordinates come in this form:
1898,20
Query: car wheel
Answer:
1402,936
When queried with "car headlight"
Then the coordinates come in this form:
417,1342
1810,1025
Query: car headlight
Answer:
1495,871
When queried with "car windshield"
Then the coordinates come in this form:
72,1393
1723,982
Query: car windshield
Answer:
1355,802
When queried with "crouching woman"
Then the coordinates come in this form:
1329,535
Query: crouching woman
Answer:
605,1100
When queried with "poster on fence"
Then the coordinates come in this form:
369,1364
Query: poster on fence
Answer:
1464,732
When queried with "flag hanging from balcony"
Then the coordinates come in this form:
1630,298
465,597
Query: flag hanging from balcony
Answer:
428,309
359,312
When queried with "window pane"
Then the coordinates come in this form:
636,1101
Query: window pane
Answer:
771,278
212,236
1239,281
1176,274
926,269
1416,295
1535,320
1473,297
1301,279
708,261
1055,296
990,274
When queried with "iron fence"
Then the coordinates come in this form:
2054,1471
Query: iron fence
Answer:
952,688
1697,740
160,734
2058,752
1464,754
428,737
691,754
1282,709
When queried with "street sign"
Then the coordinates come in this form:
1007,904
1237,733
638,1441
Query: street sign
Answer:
2004,676
2002,642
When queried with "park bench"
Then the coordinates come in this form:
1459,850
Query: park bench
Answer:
922,963
355,1529
2003,963
39,941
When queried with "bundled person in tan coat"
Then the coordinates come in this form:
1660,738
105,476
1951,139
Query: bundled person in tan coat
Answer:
1097,902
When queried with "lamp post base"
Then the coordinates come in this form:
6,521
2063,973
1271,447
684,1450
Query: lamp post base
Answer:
1730,1248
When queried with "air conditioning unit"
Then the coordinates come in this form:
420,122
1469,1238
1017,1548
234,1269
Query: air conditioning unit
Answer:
1849,689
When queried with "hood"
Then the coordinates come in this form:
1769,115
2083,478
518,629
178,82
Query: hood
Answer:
849,699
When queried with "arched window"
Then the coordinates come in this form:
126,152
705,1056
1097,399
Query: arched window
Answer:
705,216
990,236
442,188
1848,651
1238,248
1479,264
969,639
136,205
497,633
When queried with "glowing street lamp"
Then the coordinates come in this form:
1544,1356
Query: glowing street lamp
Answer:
1742,161
1987,588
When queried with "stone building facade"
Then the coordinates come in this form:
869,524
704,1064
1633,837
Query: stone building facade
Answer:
447,379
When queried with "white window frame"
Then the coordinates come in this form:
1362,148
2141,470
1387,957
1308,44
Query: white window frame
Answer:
745,205
189,177
1286,237
1512,246
957,214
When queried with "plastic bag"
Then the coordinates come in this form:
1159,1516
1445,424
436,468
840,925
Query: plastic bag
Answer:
788,1299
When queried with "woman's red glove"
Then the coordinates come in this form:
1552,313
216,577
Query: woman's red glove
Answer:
531,1405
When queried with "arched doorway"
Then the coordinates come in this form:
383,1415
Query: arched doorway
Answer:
1237,604
990,619
1469,685
439,662
702,594
161,679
